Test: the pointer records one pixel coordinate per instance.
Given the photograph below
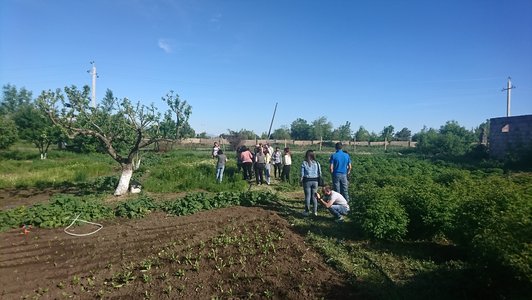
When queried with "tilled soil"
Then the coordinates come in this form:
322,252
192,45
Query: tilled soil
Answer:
235,253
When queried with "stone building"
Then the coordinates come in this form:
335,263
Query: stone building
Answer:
510,136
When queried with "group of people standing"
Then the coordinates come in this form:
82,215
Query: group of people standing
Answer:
257,164
260,162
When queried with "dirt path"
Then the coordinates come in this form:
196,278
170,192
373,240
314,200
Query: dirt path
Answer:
234,252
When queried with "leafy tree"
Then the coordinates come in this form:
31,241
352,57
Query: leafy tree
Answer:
32,125
300,130
374,137
387,133
343,132
202,135
187,131
121,127
451,139
321,129
426,140
235,137
282,133
455,139
403,135
8,132
35,127
245,134
362,134
416,136
482,132
182,111
12,99
167,127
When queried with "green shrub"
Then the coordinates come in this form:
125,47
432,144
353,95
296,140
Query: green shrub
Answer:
191,203
59,212
194,202
430,208
494,225
8,132
136,208
13,217
223,199
378,214
102,184
254,198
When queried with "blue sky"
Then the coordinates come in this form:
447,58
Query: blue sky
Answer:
405,63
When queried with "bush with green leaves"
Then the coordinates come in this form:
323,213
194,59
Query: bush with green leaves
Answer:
450,140
430,208
191,203
258,198
8,132
194,202
223,199
493,223
60,211
378,213
136,208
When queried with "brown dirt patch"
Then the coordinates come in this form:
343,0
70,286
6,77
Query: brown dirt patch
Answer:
233,253
10,198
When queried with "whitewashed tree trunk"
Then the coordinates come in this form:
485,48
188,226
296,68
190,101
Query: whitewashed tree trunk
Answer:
123,184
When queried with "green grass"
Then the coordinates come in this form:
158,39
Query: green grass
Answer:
22,167
180,171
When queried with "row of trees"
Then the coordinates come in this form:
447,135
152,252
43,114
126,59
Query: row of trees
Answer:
322,129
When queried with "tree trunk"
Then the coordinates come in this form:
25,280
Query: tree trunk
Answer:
123,184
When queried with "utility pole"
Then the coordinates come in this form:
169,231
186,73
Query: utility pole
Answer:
94,75
508,90
273,117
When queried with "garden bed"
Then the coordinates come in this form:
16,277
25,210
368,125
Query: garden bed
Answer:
235,252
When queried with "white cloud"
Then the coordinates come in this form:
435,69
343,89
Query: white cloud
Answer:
166,45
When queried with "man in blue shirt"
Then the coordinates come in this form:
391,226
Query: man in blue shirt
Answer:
340,169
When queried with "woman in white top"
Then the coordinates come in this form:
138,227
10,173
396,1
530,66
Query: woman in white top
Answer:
268,166
287,163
